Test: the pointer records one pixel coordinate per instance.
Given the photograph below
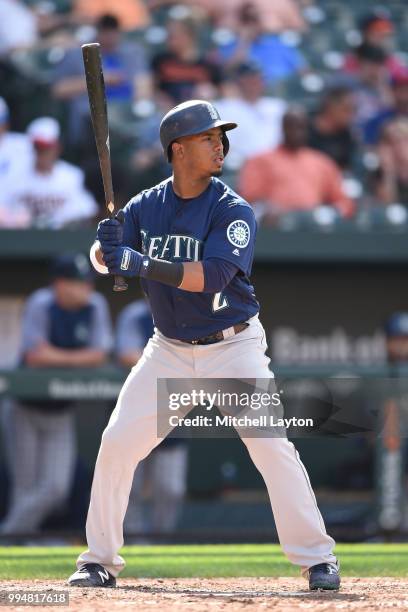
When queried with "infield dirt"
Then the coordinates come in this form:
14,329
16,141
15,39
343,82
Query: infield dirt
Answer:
207,595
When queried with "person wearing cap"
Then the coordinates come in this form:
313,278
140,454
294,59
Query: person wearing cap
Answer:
65,325
370,83
49,192
396,343
259,115
377,29
396,331
190,240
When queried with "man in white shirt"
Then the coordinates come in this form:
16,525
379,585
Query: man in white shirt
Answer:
49,192
259,116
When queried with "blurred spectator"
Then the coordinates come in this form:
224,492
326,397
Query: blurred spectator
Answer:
164,471
377,29
259,116
398,109
64,325
48,192
182,68
396,329
131,14
276,16
277,60
331,128
18,26
293,176
15,149
126,75
148,165
391,177
24,27
370,83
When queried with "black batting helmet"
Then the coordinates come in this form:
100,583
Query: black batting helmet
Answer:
188,118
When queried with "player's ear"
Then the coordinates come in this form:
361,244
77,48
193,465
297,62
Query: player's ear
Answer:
177,150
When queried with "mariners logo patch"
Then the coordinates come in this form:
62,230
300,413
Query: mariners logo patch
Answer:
238,233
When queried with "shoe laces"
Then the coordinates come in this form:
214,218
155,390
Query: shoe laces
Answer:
328,568
87,567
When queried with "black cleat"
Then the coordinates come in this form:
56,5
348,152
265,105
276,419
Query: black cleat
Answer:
92,575
324,576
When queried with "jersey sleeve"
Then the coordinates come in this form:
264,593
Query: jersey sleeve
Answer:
101,337
131,223
35,324
232,236
129,336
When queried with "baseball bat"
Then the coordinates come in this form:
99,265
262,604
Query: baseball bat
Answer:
97,103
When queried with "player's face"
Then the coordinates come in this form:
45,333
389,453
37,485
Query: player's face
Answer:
72,294
204,153
295,129
46,156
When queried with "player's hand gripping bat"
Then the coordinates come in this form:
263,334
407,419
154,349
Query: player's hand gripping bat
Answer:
97,102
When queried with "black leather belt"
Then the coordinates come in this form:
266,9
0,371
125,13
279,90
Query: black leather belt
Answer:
219,335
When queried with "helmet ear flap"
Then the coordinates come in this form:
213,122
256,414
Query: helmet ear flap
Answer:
225,143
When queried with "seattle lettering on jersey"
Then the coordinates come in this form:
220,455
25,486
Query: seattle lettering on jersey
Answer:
217,224
171,247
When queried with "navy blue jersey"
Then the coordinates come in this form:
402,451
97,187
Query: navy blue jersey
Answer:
70,329
216,224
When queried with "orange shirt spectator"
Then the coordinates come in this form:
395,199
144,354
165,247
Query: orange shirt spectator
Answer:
132,14
293,176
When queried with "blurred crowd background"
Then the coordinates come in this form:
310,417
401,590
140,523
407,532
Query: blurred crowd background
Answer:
320,92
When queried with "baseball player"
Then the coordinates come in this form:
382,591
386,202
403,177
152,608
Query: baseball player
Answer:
64,325
190,239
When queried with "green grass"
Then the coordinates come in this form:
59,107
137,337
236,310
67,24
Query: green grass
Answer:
203,561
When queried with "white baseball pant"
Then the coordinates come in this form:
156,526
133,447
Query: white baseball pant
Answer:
132,433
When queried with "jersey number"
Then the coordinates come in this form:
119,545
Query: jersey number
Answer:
219,302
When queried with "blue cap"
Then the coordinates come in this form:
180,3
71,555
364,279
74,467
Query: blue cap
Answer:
74,267
397,324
